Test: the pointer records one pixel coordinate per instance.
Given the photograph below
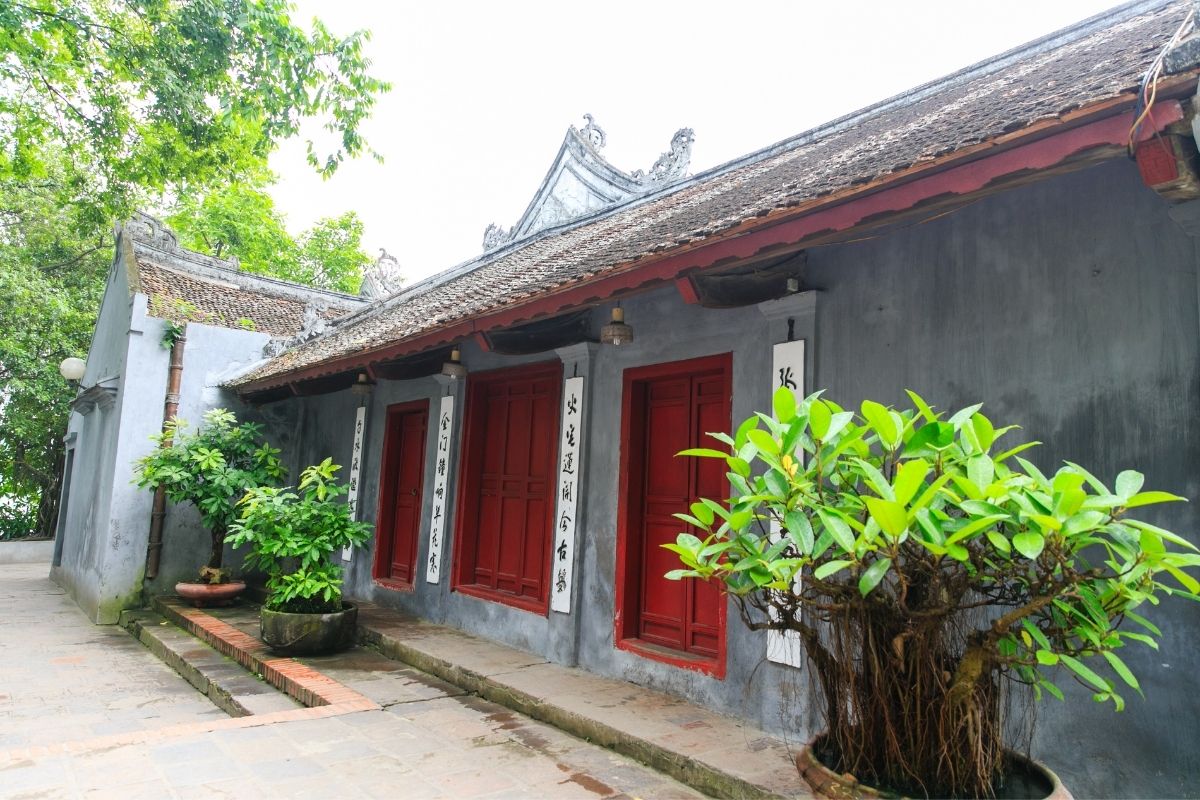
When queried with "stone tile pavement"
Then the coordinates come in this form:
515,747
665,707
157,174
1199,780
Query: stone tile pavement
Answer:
67,682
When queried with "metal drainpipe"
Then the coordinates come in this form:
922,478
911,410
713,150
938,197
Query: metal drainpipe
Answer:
170,407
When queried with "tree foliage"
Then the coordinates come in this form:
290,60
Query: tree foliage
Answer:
111,105
924,573
142,96
293,535
241,220
211,468
51,280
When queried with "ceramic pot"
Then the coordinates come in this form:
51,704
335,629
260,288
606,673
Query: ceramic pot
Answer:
210,594
837,786
309,634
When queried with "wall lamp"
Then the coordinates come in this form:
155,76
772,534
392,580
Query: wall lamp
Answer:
454,368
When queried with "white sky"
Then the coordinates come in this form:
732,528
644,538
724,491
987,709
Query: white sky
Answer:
483,93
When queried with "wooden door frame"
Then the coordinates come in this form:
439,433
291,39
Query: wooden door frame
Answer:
467,501
380,572
628,576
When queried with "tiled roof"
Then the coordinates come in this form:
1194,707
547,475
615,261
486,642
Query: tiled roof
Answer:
225,303
1097,60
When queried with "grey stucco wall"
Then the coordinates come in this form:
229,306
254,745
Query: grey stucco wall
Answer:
1068,306
106,528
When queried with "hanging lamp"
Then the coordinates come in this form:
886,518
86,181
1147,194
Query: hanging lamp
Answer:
616,332
454,368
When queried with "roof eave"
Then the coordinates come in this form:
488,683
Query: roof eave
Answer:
1038,147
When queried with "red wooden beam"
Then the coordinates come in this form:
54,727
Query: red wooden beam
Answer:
687,290
987,164
481,339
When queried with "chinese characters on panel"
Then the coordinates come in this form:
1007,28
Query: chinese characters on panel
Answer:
787,370
569,450
437,526
360,423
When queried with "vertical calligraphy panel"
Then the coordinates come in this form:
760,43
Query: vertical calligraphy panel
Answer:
437,520
569,450
787,369
360,424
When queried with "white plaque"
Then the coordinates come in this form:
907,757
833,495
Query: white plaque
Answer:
787,369
569,449
441,476
360,424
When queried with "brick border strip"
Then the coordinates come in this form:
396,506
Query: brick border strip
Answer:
305,684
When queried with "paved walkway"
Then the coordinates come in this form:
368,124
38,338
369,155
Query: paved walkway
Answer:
66,682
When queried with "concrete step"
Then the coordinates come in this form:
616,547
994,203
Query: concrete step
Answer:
715,754
308,686
230,687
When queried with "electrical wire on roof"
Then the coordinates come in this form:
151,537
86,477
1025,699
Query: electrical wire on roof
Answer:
1148,90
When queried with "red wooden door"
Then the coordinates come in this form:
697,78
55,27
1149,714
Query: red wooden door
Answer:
400,495
509,478
671,408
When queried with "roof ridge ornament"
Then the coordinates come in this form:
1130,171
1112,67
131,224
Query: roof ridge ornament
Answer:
671,164
593,134
382,279
494,236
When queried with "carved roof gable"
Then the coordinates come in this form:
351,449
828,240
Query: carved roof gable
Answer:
581,181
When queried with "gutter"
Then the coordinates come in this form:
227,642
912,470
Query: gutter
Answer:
158,511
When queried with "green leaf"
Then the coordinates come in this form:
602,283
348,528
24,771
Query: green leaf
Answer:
764,441
921,405
881,421
838,529
801,531
702,513
1129,483
1145,623
890,515
1121,669
974,526
784,402
873,575
1029,544
828,568
1047,658
819,419
1084,672
1151,498
909,477
999,542
702,452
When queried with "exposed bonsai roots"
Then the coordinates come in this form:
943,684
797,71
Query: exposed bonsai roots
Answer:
910,709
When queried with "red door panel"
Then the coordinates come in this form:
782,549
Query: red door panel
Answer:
671,408
510,451
401,492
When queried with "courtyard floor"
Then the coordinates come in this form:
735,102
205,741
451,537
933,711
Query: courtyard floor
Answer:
69,689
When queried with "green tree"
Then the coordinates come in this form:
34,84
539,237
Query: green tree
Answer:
241,220
142,96
110,105
51,280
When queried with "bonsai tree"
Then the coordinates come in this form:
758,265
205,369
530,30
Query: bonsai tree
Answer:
927,576
211,468
292,535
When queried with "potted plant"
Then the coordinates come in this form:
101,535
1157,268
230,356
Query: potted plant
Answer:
211,468
929,578
292,537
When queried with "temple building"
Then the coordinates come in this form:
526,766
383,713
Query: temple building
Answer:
1021,232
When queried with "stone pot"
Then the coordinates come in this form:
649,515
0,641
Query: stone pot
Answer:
309,634
210,594
837,786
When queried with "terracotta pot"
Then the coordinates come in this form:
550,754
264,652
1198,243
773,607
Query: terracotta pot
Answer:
309,634
837,786
210,594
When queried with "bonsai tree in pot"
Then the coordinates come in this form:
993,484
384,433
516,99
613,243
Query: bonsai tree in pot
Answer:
211,468
928,578
293,536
